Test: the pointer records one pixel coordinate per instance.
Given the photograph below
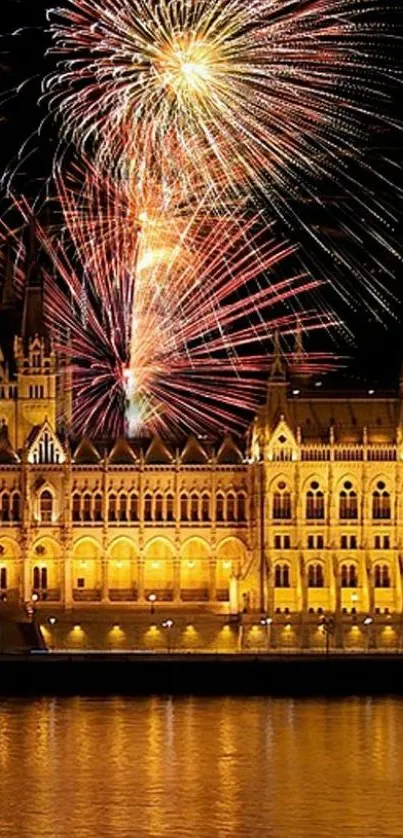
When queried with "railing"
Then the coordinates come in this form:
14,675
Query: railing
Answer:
86,595
123,595
194,595
162,594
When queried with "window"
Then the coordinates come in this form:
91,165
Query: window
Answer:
36,578
286,542
5,507
349,576
123,507
319,542
40,578
282,542
184,508
205,507
194,508
348,542
46,507
277,542
148,508
315,503
16,507
220,507
170,508
87,502
282,503
231,507
159,507
76,507
112,507
382,576
80,582
386,542
282,576
310,542
44,578
380,503
134,508
315,576
98,507
348,504
241,508
3,578
315,542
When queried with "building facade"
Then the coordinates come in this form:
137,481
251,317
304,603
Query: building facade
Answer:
302,520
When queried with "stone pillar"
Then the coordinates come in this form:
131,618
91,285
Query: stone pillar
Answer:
67,592
212,593
177,579
27,578
140,576
104,580
234,594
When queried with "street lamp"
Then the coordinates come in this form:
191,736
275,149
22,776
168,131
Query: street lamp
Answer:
368,623
266,622
168,624
328,625
152,598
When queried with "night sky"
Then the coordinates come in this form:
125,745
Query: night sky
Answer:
375,353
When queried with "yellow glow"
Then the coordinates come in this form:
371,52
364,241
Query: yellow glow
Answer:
191,564
83,564
227,564
187,67
156,564
77,628
153,630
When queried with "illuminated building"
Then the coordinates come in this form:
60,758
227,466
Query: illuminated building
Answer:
303,519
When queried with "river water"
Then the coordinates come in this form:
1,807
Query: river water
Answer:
193,768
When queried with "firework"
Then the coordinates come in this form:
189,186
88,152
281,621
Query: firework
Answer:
186,346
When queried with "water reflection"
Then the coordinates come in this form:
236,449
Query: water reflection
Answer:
157,768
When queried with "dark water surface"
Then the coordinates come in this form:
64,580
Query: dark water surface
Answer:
186,768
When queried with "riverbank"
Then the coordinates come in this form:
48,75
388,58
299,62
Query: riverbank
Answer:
101,673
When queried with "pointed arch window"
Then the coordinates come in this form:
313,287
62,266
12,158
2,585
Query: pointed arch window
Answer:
194,507
148,507
36,578
112,507
184,507
76,510
348,503
315,576
159,507
46,507
282,502
16,507
3,578
241,507
219,514
230,507
282,576
87,504
349,578
134,507
315,503
5,507
205,507
123,507
98,511
382,576
170,508
381,503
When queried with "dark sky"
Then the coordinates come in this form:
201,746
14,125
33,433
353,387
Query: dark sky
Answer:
377,349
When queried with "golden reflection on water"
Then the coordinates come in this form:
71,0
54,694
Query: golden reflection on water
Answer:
201,768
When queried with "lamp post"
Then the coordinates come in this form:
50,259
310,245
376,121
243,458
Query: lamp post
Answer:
168,625
328,625
266,622
368,623
152,599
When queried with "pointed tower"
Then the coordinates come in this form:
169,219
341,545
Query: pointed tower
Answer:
34,355
276,401
9,318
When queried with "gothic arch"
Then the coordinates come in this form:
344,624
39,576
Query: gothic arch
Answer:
86,571
122,555
159,556
195,569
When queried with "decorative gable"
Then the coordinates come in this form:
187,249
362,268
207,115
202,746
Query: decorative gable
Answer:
282,446
86,453
158,453
229,454
194,453
122,454
45,448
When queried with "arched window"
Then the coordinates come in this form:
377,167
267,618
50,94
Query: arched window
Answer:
349,577
241,507
76,507
282,576
315,503
184,508
282,502
194,507
98,507
315,576
219,507
382,576
148,507
134,507
44,578
87,503
46,507
3,578
205,507
348,503
122,507
381,502
36,578
16,506
170,508
159,500
112,508
230,507
5,507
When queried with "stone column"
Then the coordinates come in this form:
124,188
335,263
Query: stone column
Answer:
234,594
140,575
27,578
177,579
212,593
104,579
67,591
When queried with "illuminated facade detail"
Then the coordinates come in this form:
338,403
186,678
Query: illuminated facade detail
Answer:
304,517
